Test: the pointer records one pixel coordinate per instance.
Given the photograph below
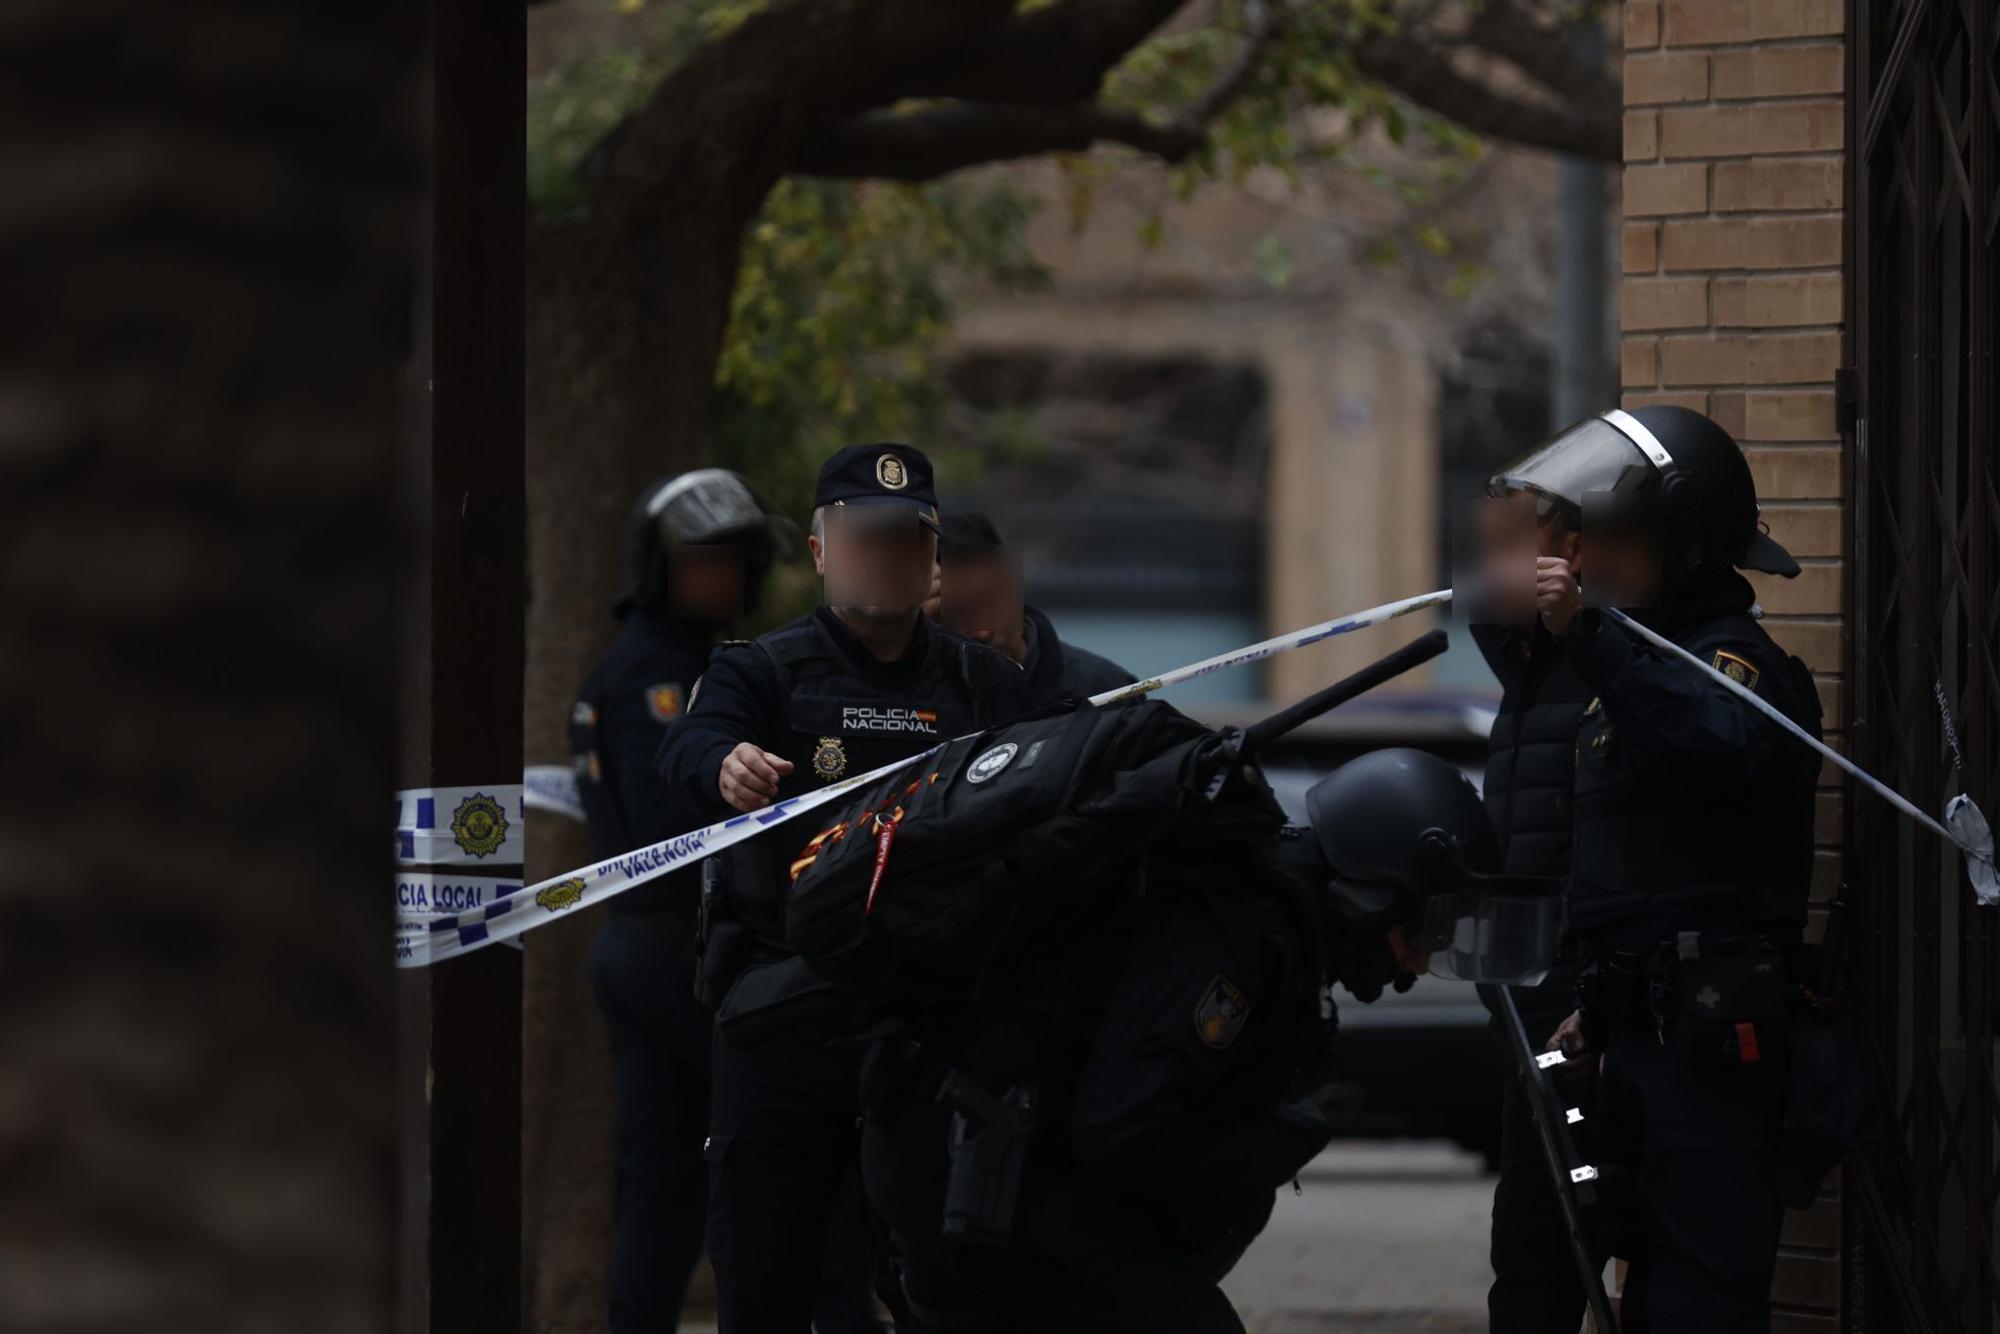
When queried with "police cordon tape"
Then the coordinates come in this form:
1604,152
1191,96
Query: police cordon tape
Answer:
1964,826
425,937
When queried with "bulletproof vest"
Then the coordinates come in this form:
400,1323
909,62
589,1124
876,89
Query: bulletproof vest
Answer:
1530,777
1658,852
840,718
841,721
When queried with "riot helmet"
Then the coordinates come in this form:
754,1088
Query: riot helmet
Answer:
1668,470
1409,843
705,507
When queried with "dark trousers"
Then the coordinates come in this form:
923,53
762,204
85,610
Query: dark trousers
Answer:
1080,1261
1535,1285
786,1222
643,974
1701,1142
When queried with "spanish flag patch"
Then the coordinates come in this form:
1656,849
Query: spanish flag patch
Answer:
1736,669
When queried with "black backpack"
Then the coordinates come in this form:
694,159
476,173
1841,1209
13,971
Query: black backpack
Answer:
947,881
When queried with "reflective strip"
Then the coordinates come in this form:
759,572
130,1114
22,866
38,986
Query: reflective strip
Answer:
1635,430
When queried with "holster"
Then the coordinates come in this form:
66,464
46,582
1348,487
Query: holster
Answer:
737,921
990,1136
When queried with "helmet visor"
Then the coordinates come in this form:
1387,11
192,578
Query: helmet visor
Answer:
1591,457
1508,939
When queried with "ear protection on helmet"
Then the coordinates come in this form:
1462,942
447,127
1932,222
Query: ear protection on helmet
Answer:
1681,533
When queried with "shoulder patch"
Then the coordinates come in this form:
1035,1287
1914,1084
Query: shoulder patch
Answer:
1221,1013
1737,669
663,701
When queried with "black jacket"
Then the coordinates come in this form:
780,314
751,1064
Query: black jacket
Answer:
1058,671
1531,769
1694,811
621,716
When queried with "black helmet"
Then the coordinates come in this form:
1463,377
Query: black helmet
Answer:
1397,827
1409,844
1676,468
709,506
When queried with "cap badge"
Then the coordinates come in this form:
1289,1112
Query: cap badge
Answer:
891,473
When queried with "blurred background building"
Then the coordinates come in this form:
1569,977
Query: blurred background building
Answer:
1267,416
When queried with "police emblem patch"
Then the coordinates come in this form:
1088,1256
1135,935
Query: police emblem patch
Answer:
479,825
991,763
562,894
891,473
1736,669
829,758
664,701
1221,1014
583,715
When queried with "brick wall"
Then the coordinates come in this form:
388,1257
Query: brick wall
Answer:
1731,304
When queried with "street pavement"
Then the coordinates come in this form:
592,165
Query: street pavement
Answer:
1384,1237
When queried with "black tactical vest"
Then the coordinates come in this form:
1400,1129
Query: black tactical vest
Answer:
845,717
843,714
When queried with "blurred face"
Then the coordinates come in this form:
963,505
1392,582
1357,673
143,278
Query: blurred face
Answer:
706,583
876,560
1416,962
1620,566
934,600
982,601
1507,541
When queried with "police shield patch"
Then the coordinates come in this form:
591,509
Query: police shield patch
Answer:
829,758
664,701
1736,669
1221,1014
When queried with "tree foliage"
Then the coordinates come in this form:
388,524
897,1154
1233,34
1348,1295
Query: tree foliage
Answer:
842,296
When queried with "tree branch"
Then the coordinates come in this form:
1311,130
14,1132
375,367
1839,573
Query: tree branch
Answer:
1428,78
922,145
1054,56
1545,54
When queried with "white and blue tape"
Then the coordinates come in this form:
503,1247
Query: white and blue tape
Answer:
427,937
460,826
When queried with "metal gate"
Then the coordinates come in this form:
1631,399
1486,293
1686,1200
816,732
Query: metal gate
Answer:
1924,604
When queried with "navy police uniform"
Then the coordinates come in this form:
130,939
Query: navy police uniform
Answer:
1166,1121
1059,671
1692,864
784,1118
1530,790
643,968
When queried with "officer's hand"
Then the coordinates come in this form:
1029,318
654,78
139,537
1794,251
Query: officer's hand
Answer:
1557,595
750,776
1568,1037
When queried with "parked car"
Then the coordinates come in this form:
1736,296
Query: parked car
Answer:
1422,1063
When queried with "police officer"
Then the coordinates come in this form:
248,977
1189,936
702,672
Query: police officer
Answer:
1693,851
1529,787
697,549
980,596
862,681
1172,1109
